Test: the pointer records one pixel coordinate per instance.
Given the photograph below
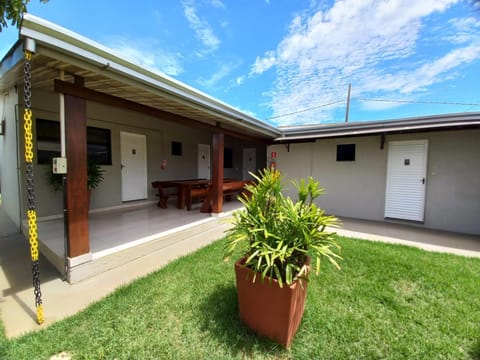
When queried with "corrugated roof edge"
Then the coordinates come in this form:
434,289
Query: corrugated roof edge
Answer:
430,122
33,26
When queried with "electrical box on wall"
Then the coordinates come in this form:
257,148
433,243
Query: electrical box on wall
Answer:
59,165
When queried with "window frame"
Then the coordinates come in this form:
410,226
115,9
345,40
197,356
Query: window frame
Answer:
48,142
346,152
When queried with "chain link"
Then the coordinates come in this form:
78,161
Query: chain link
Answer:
31,213
27,126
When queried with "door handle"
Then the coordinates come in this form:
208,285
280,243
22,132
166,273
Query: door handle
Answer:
423,181
122,166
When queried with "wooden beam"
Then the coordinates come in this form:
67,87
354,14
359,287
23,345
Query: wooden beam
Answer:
115,101
76,189
217,172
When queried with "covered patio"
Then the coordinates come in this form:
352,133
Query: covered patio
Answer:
128,232
138,116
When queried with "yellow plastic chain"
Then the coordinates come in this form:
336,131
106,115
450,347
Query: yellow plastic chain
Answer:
31,213
27,126
32,232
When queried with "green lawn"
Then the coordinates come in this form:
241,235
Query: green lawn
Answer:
387,302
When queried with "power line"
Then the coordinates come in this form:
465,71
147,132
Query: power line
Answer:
419,102
305,110
377,100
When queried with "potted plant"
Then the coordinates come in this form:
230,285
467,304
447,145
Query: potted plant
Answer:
278,237
94,177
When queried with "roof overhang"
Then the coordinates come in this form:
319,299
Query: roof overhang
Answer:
417,124
62,53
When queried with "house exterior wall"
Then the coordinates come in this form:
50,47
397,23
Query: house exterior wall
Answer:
9,174
357,189
453,180
159,136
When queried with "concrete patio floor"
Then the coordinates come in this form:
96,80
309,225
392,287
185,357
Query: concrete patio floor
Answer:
61,299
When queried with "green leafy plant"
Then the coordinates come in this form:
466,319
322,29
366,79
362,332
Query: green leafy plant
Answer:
94,176
277,234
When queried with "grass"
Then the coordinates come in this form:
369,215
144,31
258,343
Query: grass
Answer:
387,302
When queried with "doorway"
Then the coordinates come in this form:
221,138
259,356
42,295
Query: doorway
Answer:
406,180
249,163
203,161
133,166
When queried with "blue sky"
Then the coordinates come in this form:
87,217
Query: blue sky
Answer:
290,61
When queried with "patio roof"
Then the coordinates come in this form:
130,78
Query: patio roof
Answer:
60,52
415,124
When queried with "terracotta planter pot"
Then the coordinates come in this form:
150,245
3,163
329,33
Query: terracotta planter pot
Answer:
268,309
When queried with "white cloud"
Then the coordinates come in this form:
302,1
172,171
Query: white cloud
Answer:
378,105
224,70
217,4
240,80
463,30
373,44
202,28
147,53
263,64
431,72
434,71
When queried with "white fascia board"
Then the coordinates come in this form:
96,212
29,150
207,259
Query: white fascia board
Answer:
52,35
428,122
358,132
438,120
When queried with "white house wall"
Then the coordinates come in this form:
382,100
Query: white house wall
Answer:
453,181
357,189
9,174
362,194
159,135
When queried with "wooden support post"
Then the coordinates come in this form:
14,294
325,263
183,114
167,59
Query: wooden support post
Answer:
77,192
217,172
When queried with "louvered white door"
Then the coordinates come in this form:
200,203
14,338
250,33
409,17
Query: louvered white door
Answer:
406,180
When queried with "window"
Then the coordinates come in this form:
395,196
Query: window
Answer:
48,140
176,148
346,152
228,158
99,147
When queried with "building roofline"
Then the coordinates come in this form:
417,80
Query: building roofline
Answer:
55,39
431,122
63,40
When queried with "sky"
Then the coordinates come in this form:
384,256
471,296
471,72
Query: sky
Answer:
290,62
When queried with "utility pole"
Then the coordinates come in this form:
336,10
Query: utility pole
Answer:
348,102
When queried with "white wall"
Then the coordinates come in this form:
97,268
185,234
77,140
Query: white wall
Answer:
357,189
453,180
159,136
9,174
351,187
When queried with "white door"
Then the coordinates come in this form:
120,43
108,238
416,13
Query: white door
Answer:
134,166
406,180
249,163
203,161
